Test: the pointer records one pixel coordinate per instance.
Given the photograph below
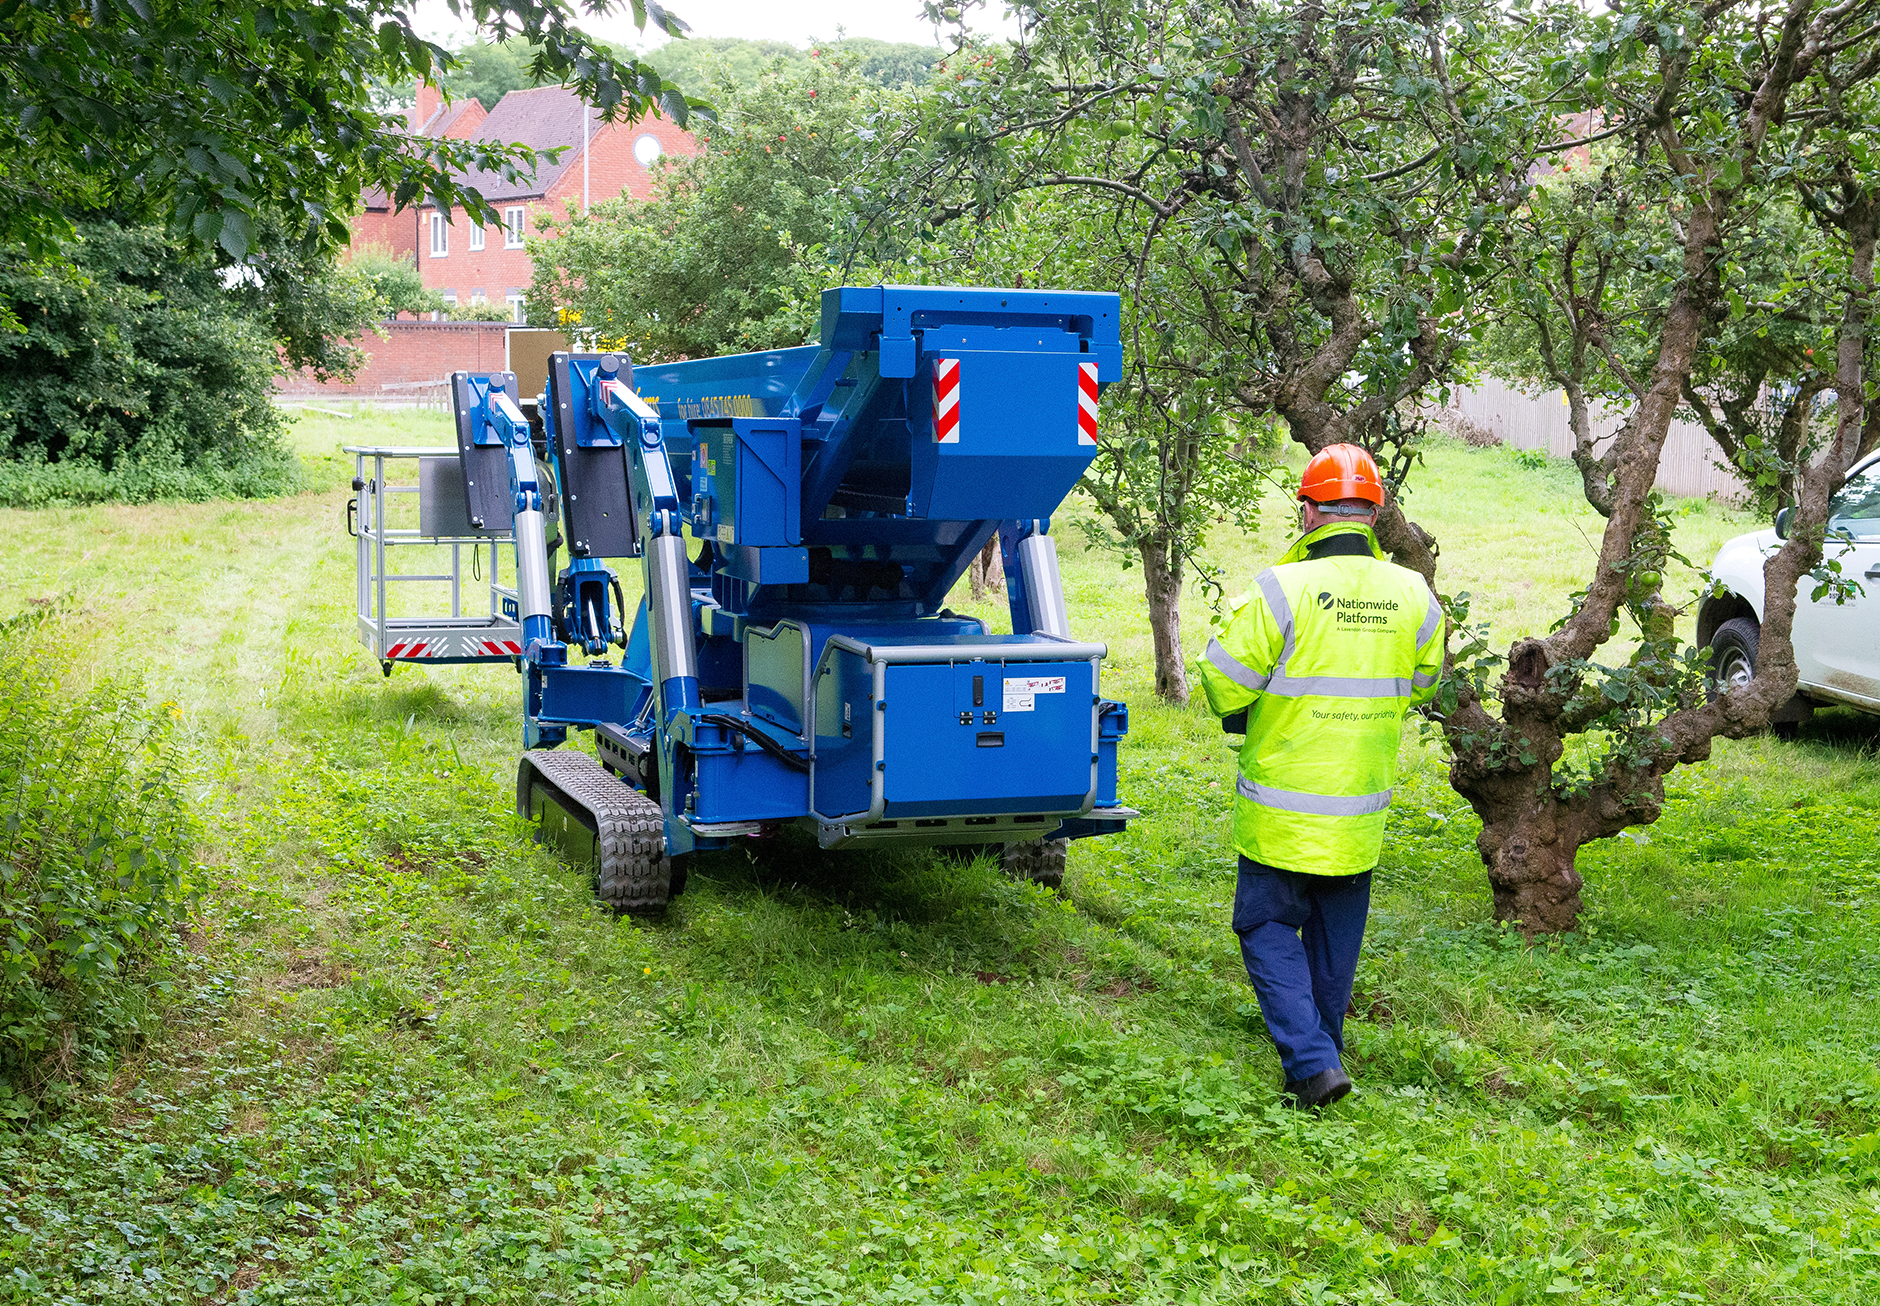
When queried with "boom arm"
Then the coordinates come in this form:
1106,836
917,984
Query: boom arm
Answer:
661,519
497,420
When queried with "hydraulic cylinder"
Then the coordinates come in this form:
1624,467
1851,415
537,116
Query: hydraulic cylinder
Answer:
1044,588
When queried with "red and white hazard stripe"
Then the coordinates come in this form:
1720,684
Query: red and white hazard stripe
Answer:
1087,403
946,400
417,649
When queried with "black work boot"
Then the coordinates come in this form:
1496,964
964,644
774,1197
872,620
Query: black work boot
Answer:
1320,1090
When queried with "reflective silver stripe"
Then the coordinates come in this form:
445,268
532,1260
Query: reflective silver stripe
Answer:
1233,668
1281,685
1430,623
1338,687
1282,616
1423,679
1287,800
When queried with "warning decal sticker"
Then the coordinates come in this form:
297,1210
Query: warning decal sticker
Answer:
1021,692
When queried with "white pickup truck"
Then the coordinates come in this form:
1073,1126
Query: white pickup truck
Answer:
1837,646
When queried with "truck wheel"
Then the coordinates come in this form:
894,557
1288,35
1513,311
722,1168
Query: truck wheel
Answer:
1039,860
1733,654
1733,663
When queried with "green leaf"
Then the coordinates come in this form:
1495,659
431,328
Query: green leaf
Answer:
237,234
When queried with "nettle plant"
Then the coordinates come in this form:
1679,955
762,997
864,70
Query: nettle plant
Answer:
95,856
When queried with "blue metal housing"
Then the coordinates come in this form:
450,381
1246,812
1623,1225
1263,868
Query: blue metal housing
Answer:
800,516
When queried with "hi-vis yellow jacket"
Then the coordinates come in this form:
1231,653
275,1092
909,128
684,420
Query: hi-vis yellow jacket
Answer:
1326,654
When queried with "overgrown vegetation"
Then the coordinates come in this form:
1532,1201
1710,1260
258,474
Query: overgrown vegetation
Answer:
408,1059
136,375
96,847
394,280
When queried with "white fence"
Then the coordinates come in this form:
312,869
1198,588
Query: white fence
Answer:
1692,464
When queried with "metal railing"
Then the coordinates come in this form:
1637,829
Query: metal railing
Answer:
488,636
429,396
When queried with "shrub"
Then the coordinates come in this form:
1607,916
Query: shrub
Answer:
137,373
394,280
729,253
151,473
478,313
95,838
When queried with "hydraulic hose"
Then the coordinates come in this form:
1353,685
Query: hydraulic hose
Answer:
759,738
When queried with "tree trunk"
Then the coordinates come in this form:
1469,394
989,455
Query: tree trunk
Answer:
987,571
1530,869
1162,585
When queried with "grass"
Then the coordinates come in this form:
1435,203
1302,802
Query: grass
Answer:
408,1061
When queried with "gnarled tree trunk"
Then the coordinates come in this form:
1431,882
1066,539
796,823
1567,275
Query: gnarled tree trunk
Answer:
1534,821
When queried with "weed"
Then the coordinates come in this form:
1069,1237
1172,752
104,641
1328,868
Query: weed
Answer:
94,850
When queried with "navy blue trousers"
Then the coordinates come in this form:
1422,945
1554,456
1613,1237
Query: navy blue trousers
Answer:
1299,935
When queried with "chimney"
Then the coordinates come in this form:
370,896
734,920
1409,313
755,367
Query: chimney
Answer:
429,102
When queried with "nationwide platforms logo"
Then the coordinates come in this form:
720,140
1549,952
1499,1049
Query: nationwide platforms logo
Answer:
1357,612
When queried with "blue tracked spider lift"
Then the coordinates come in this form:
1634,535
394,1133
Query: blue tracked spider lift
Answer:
799,517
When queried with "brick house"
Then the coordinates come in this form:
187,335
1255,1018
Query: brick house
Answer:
471,264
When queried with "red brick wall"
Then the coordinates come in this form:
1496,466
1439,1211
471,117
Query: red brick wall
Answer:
413,351
494,270
394,231
498,271
468,121
612,168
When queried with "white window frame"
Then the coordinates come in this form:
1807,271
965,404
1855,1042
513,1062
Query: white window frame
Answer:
450,297
440,235
514,300
476,238
478,297
515,218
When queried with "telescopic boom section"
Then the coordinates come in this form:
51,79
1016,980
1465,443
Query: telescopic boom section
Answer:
800,517
668,573
497,422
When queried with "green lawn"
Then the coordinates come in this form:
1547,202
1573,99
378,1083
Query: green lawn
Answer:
406,1060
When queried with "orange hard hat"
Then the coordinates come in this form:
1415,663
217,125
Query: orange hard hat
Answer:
1341,471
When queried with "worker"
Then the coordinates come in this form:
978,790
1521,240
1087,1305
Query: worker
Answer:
1320,661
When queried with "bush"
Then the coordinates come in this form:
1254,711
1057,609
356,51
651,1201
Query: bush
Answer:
94,842
137,374
479,313
395,281
729,254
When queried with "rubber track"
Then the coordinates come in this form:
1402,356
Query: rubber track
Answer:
1039,860
634,874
